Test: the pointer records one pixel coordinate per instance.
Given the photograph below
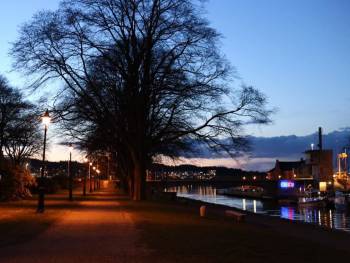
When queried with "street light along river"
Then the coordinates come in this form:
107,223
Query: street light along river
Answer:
330,218
46,119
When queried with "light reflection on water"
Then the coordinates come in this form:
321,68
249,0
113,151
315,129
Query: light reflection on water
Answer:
330,218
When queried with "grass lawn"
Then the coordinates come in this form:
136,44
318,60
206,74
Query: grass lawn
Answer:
175,233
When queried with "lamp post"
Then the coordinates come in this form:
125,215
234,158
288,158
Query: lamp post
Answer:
108,176
70,175
98,179
41,189
90,179
94,168
84,186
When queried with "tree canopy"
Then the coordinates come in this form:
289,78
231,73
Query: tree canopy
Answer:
141,78
19,134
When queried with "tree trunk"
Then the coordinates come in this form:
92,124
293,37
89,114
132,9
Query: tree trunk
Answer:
130,186
1,145
139,176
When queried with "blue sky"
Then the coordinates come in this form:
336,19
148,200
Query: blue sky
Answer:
297,52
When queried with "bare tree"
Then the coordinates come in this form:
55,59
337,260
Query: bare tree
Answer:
19,135
148,73
24,140
19,139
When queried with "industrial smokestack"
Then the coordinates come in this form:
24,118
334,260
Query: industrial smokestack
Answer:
320,146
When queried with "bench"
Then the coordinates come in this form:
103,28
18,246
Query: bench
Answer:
237,216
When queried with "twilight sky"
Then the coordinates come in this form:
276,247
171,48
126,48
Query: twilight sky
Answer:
297,52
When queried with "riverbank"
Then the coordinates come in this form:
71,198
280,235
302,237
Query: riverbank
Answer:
177,234
105,227
329,237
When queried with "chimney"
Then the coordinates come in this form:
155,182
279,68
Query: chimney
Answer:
320,146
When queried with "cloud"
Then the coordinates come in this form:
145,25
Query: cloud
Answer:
265,150
292,146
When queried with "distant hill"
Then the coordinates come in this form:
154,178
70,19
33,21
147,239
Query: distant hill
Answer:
56,168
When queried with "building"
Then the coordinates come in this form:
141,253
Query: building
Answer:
318,167
288,170
319,164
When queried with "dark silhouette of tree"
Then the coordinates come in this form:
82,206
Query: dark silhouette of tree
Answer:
24,140
19,123
145,76
19,140
10,102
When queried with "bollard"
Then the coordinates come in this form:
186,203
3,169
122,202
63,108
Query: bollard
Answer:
202,211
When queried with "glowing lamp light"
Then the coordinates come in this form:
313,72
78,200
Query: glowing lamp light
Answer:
94,168
46,119
343,155
323,186
254,178
90,164
244,177
86,160
286,184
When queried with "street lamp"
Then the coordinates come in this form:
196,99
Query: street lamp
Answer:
41,189
108,169
70,175
94,168
90,179
98,179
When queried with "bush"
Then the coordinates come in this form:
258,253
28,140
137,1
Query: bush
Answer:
15,182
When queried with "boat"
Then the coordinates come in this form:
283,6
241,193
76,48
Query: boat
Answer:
313,198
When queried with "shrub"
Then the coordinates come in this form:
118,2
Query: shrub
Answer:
15,182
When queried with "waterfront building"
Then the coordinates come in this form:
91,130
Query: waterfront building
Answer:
288,170
319,165
316,167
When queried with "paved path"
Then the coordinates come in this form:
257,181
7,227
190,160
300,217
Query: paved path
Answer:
97,230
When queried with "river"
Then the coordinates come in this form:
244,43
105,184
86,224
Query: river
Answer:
325,217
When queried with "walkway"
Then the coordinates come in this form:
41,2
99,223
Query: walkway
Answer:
97,230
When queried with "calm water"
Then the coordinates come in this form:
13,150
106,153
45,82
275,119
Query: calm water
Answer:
331,218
